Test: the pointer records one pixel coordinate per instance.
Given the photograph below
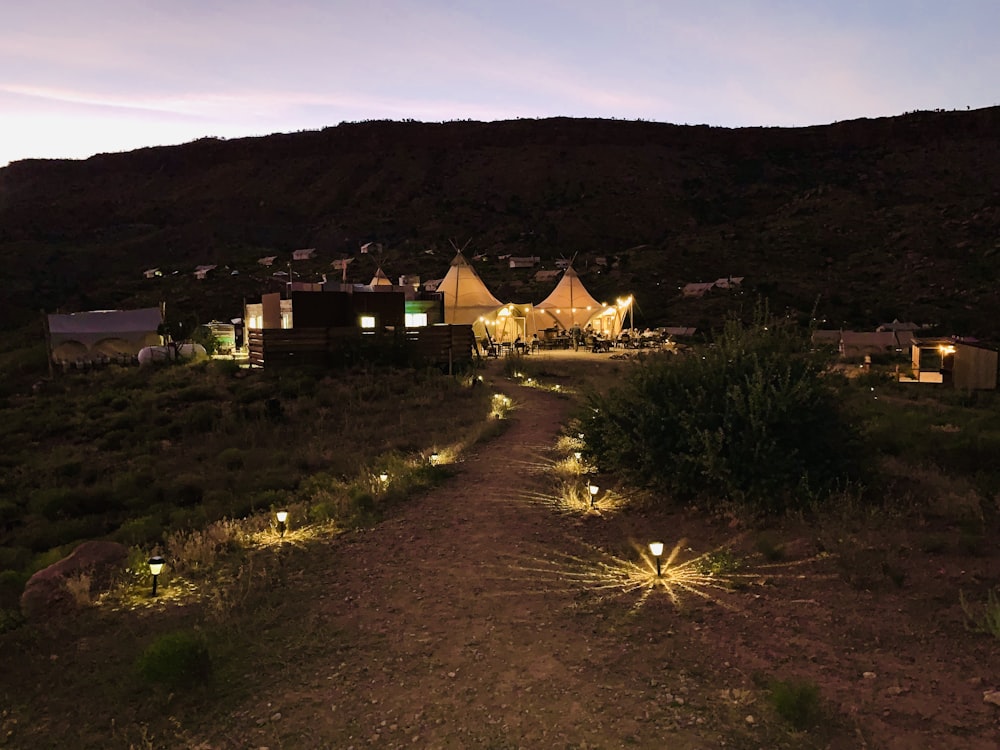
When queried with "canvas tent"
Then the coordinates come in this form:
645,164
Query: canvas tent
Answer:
380,280
467,301
103,333
570,304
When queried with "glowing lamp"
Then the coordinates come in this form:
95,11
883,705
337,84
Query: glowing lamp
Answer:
657,549
384,477
593,489
577,455
155,567
282,516
435,458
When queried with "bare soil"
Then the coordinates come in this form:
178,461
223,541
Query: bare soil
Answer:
484,615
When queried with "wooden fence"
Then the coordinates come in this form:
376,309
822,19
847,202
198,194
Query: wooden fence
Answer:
444,345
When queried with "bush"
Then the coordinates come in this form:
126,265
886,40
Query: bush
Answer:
749,419
176,660
230,458
796,702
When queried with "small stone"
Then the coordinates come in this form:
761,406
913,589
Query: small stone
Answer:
451,674
869,675
276,716
991,696
750,719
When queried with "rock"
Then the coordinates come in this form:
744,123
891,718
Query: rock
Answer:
45,593
992,696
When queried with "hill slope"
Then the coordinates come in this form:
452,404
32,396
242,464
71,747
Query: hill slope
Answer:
875,219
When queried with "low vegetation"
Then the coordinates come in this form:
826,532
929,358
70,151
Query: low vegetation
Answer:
749,421
160,457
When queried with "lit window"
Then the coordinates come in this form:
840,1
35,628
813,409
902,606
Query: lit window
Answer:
416,320
368,322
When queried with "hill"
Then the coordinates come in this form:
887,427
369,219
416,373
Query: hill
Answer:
863,221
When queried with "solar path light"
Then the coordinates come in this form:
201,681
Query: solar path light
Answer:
657,549
155,567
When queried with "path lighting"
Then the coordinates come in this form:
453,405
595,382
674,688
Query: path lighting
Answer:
657,549
383,477
594,489
282,516
577,455
155,567
435,458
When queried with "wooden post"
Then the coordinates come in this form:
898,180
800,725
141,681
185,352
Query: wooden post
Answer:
48,343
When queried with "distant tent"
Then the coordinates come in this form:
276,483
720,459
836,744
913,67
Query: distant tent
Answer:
467,301
569,304
108,333
380,279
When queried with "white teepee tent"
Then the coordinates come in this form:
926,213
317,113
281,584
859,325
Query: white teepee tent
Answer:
467,301
380,279
569,304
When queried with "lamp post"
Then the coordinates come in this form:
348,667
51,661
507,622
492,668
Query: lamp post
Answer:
593,489
657,549
282,516
155,567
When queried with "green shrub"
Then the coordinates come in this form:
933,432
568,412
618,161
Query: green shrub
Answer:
230,458
748,420
141,530
796,702
987,618
11,585
176,660
201,419
186,489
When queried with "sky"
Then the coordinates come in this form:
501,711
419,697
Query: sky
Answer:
79,78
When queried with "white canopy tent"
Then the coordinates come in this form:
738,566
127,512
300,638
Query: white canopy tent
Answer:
570,304
467,301
108,333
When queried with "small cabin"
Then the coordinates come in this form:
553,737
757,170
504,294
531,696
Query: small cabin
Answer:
951,361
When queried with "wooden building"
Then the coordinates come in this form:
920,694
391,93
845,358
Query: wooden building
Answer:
953,362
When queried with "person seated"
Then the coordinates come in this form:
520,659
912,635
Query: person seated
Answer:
519,345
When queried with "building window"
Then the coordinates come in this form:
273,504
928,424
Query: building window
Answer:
368,322
416,320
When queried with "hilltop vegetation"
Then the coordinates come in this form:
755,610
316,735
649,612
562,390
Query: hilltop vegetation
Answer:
875,219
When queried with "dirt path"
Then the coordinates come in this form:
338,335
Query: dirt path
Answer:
456,624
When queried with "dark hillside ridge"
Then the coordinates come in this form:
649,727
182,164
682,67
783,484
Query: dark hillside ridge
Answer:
864,220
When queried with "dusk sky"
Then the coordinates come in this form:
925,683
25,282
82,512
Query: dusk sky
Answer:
79,78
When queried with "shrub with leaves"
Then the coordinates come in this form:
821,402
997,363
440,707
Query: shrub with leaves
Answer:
797,703
176,660
749,419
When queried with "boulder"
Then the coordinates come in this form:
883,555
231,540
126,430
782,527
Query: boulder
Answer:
45,592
